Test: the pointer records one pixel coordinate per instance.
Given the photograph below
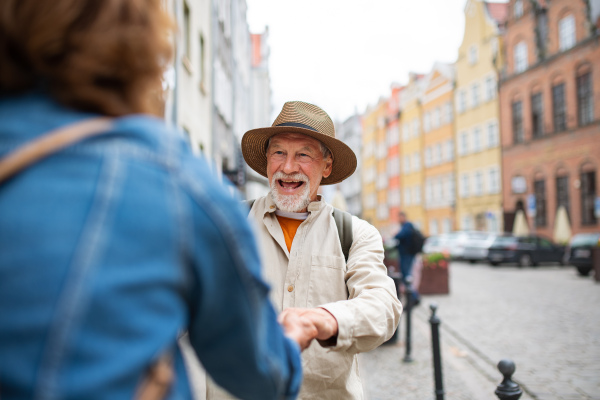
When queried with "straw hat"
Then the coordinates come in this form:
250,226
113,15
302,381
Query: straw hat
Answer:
307,119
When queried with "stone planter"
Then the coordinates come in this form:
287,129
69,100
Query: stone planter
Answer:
434,278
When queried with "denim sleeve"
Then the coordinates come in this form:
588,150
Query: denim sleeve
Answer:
233,326
405,232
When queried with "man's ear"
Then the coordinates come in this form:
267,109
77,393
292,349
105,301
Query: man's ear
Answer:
328,167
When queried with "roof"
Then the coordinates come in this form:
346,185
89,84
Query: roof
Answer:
497,11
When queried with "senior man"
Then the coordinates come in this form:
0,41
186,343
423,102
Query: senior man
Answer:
352,303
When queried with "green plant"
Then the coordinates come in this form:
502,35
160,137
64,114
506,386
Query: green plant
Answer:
435,260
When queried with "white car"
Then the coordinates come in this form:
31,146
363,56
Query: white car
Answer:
437,244
469,241
477,246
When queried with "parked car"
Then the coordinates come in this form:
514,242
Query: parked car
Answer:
580,251
437,244
525,250
458,241
477,246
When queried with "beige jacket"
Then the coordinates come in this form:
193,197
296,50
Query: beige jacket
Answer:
314,274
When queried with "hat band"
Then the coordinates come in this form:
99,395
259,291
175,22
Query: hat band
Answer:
298,125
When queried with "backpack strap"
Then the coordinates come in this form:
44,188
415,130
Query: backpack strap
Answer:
343,222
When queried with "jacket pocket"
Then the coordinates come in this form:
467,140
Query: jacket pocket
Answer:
327,280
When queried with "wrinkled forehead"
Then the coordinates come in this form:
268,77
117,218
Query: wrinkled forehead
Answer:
294,139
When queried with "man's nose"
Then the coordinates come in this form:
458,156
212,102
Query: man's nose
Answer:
290,166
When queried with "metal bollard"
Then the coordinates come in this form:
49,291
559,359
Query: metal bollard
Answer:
508,390
437,356
409,300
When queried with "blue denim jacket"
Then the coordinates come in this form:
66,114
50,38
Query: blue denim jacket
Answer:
112,248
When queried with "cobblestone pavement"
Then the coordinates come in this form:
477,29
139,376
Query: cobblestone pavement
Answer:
546,319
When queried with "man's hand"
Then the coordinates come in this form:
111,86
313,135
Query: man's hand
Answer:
325,324
297,327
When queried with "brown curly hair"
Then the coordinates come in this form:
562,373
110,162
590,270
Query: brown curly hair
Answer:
104,56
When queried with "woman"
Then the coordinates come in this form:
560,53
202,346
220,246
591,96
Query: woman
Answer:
111,247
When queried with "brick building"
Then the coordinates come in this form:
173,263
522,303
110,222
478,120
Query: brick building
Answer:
550,114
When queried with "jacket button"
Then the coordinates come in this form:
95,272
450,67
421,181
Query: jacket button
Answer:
290,288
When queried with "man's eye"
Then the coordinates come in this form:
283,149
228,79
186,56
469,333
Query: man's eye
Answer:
304,155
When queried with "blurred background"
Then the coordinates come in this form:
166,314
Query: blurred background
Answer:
468,115
479,119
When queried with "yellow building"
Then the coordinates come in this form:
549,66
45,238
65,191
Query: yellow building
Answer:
478,159
411,150
370,161
438,149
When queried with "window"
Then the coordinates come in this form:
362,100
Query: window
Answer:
427,122
463,144
539,189
450,150
449,113
490,88
436,118
585,99
407,197
428,160
446,225
537,115
521,62
566,32
186,30
492,134
416,126
473,54
517,122
494,180
437,154
562,193
518,8
416,162
202,63
558,107
461,101
406,164
428,192
588,194
475,94
417,195
405,132
478,183
476,139
467,223
433,227
464,185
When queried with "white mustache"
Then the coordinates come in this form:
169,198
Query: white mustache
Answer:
298,177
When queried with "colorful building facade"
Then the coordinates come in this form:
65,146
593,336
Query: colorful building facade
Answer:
478,154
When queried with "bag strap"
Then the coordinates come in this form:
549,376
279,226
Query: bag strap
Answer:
50,143
343,221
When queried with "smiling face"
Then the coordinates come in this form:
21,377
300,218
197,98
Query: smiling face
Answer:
295,168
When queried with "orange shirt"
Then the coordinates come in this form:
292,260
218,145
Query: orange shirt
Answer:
289,226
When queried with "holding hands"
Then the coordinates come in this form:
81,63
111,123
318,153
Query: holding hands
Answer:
305,324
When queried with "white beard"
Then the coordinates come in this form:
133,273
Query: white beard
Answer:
290,203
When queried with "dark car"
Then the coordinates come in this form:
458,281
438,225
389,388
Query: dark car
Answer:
580,251
525,250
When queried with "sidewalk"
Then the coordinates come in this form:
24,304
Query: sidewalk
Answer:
466,375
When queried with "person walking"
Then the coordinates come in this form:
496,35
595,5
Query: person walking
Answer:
405,238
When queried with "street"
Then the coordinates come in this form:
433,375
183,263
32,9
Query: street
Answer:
546,319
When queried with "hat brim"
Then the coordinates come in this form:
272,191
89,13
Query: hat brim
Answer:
254,149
